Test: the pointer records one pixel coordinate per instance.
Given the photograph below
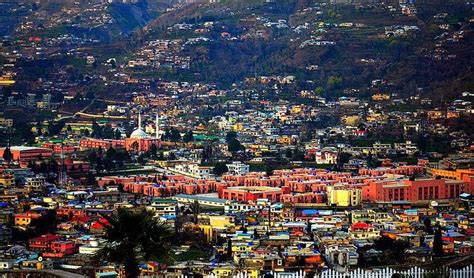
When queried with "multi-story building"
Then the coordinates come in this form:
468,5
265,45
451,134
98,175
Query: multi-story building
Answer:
238,168
342,196
414,190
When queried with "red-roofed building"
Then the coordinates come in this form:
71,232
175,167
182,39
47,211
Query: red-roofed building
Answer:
42,243
99,224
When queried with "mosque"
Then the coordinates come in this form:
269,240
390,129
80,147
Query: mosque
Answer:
140,141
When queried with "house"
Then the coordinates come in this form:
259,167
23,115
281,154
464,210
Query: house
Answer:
64,247
6,264
238,168
419,254
343,255
363,230
24,219
326,156
42,243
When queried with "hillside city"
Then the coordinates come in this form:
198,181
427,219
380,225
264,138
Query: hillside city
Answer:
236,138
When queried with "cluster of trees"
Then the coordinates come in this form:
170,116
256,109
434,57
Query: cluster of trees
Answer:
105,131
172,134
110,160
233,145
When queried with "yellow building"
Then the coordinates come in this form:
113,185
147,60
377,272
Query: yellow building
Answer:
220,221
7,179
238,127
376,117
22,220
242,247
48,264
207,231
344,197
5,82
284,140
296,109
380,97
228,271
351,120
452,114
435,114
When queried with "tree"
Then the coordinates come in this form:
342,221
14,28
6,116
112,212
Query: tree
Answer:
175,136
45,224
255,234
117,134
428,228
438,242
342,158
96,130
334,82
188,137
7,155
220,168
55,128
235,146
132,237
153,150
229,248
319,90
230,136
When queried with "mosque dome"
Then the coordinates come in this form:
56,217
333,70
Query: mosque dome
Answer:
138,133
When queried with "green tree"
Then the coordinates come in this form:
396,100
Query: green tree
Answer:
96,130
220,168
117,134
334,82
132,237
229,248
319,90
7,155
153,150
427,223
175,136
235,146
438,242
87,133
188,137
55,128
230,136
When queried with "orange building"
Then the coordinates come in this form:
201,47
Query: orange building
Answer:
92,143
60,148
458,174
27,154
414,190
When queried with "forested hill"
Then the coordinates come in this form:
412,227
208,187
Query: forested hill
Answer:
428,49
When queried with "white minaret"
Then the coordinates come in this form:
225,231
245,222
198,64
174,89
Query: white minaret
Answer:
157,127
139,120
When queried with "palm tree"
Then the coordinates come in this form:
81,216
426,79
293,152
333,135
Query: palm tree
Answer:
134,236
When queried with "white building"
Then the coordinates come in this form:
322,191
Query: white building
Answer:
326,156
194,170
163,208
238,168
